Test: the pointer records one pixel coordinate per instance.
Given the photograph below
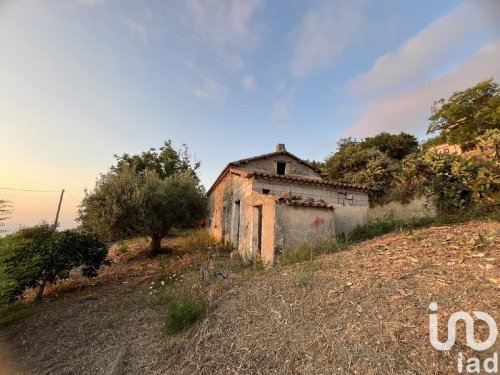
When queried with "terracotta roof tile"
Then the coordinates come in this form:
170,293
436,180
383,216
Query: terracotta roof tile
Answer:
307,180
297,201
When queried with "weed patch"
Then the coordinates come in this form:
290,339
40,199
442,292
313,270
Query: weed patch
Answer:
196,241
182,314
13,312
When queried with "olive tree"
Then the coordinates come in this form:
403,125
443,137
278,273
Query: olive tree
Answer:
126,203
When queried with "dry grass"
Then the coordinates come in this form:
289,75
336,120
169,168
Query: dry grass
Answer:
359,311
367,316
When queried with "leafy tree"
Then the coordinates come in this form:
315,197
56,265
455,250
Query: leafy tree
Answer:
395,146
346,143
37,256
467,114
371,161
127,203
491,139
166,161
355,164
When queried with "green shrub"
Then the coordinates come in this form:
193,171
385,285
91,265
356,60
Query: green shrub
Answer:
455,182
36,256
183,313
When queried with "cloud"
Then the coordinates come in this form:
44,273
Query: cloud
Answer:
248,82
409,110
324,34
281,109
91,2
138,30
224,22
212,90
236,62
416,58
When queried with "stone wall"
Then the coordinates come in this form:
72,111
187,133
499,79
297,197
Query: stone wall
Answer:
328,194
293,167
417,208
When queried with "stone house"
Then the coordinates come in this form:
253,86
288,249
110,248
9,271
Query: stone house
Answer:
265,204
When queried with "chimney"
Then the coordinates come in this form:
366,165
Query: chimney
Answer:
280,147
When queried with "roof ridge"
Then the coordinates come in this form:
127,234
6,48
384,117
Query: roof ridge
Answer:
269,154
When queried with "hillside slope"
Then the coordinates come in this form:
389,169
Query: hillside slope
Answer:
360,311
364,312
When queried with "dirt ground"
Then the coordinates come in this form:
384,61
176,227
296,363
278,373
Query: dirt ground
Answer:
361,311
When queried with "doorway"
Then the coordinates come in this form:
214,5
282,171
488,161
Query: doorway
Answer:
236,223
257,233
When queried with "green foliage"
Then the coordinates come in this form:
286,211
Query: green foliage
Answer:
125,204
491,140
35,256
455,182
12,313
200,241
304,272
145,194
176,200
165,162
121,248
366,166
379,228
304,277
182,314
395,146
306,251
373,161
467,114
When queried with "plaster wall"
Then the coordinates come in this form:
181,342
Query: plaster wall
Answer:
296,224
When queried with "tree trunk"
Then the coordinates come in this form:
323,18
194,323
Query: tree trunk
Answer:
156,244
39,294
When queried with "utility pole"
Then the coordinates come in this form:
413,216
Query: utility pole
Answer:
58,209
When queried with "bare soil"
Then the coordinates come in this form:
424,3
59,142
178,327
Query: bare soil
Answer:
360,311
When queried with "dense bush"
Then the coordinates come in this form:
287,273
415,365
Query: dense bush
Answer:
36,256
454,182
374,161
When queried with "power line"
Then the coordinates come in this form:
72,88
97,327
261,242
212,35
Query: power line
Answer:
73,197
30,190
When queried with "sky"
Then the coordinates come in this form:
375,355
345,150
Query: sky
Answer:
82,80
